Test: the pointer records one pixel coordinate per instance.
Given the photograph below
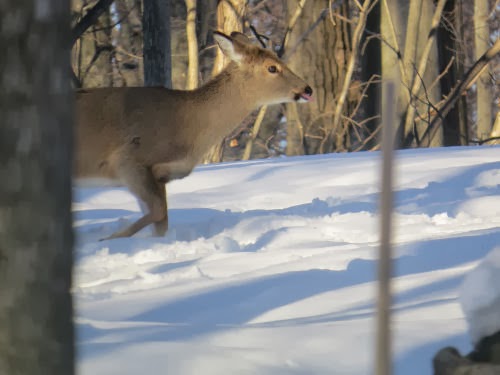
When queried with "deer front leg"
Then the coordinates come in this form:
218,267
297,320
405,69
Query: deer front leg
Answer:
142,183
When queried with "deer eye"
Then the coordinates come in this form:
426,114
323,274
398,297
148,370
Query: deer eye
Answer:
272,69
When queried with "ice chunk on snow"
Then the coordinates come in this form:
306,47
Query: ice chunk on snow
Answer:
480,297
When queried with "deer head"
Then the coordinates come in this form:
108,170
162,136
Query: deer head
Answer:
266,78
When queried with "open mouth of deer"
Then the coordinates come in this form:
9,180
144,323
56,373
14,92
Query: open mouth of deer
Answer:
305,96
302,97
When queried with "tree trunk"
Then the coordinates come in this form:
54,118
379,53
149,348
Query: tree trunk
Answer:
392,19
229,18
321,60
36,328
467,81
421,64
411,59
129,64
156,33
104,50
192,41
206,15
450,48
371,66
484,94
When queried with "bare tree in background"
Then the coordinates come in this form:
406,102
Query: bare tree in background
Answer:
157,54
451,52
192,41
230,14
92,42
421,64
371,60
230,17
104,50
409,56
128,61
484,96
426,45
318,50
36,327
205,24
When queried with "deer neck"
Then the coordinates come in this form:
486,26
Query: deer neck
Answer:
223,103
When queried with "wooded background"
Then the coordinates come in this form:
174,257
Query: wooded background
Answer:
442,54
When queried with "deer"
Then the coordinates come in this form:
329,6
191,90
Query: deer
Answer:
144,137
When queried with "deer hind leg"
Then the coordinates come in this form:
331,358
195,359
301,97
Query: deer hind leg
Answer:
141,182
161,226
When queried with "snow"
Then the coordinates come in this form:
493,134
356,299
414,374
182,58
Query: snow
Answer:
269,266
479,298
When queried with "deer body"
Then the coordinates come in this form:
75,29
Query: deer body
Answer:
144,137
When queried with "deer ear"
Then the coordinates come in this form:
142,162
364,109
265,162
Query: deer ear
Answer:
227,45
240,37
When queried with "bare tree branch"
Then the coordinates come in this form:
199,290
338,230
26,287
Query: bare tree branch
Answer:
301,38
356,39
291,24
89,19
259,37
470,77
255,132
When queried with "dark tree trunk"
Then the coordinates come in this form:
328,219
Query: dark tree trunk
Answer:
206,22
157,56
36,329
372,66
455,123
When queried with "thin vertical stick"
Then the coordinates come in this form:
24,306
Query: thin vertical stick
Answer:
255,133
383,342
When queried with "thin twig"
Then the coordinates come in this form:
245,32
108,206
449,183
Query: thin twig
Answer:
356,38
291,25
369,138
330,10
482,141
375,78
254,133
384,269
113,25
442,74
301,38
258,36
358,4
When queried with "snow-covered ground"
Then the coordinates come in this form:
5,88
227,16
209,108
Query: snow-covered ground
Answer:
269,266
480,297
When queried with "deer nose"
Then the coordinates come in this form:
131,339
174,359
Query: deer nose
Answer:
308,90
